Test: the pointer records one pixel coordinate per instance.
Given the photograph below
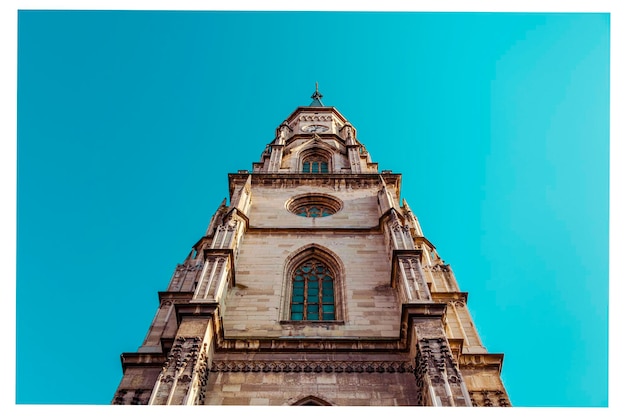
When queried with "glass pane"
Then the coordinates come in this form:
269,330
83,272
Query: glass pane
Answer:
329,316
297,308
315,167
313,284
298,292
306,167
328,298
305,268
324,167
299,280
312,308
328,308
313,316
296,316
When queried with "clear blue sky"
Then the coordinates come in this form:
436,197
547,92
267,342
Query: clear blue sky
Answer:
128,123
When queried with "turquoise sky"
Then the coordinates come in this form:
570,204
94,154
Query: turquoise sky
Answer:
128,123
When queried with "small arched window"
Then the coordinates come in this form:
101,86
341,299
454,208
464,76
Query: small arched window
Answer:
315,164
313,293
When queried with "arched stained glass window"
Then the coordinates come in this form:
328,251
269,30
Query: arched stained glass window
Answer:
315,164
313,294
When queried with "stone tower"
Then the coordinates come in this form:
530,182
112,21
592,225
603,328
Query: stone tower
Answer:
314,286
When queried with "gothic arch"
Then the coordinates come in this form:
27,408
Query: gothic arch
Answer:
316,253
311,400
315,150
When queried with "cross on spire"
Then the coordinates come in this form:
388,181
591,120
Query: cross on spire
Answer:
317,96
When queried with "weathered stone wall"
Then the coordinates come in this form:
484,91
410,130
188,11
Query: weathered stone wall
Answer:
254,304
286,388
136,385
268,207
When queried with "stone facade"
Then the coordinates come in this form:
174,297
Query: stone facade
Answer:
379,321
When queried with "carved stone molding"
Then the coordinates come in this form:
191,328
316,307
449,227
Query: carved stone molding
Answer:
207,309
203,374
481,360
438,267
144,360
312,366
178,371
489,398
437,374
320,118
332,181
456,303
132,397
299,345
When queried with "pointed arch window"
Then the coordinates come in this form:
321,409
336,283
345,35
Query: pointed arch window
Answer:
315,164
313,293
311,400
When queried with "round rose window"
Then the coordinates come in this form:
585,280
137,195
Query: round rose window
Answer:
314,205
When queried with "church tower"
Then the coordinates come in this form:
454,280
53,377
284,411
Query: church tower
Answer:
313,285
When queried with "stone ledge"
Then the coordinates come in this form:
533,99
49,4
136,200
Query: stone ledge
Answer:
175,296
197,309
145,360
446,296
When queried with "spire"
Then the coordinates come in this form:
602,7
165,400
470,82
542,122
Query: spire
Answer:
317,102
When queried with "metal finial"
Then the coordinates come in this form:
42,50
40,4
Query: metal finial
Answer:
316,95
317,102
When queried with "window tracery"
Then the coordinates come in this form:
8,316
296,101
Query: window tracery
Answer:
313,286
315,164
313,294
314,205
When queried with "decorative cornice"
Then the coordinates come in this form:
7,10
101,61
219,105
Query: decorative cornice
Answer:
175,296
330,180
312,366
450,297
489,398
196,309
309,344
481,360
316,230
423,310
309,110
145,360
422,239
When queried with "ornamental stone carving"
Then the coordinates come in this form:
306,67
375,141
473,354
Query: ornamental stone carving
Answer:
311,366
437,375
